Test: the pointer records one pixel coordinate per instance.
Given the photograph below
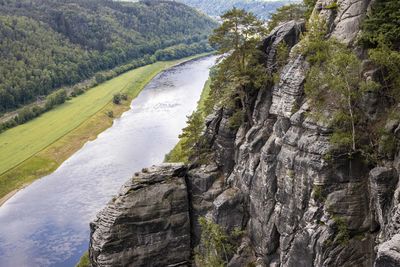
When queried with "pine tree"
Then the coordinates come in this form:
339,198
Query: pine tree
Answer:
191,134
237,39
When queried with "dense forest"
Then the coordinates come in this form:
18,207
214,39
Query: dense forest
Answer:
262,9
46,44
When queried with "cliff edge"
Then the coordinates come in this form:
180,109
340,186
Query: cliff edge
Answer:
271,180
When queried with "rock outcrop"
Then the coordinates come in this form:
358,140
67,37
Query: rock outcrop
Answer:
146,224
272,180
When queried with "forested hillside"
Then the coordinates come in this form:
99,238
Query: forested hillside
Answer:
45,44
262,9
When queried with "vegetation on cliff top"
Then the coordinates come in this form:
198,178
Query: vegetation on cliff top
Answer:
216,245
286,13
191,134
239,71
242,71
382,23
336,83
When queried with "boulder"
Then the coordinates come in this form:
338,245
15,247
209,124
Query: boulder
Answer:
146,224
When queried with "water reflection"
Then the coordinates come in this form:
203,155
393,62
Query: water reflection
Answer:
46,224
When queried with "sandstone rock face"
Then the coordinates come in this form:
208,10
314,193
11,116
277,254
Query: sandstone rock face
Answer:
204,185
271,178
344,21
389,253
146,224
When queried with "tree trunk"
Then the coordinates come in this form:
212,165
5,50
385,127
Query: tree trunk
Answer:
350,107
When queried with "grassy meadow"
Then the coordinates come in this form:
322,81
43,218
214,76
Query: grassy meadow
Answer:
37,148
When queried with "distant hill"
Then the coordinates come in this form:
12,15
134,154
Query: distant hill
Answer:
261,9
45,44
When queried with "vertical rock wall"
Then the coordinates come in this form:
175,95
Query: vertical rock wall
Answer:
272,180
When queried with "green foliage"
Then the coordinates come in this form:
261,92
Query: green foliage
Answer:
236,120
333,6
314,45
388,144
215,246
182,50
48,44
239,34
28,113
241,72
334,84
381,36
342,232
318,193
205,105
84,261
117,98
99,77
55,99
389,61
191,134
310,4
287,13
382,22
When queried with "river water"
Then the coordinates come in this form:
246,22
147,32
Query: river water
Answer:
47,223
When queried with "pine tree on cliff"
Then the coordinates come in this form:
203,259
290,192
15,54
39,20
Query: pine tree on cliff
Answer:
238,37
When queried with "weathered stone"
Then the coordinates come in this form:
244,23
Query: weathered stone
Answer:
224,144
389,253
288,33
146,224
244,256
204,183
273,179
382,181
229,210
344,21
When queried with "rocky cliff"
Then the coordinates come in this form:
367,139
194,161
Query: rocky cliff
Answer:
272,180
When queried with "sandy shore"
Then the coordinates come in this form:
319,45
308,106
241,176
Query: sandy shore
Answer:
10,195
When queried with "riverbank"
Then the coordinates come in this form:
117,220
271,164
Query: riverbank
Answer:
177,154
37,148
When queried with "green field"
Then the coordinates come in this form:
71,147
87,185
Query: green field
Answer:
38,147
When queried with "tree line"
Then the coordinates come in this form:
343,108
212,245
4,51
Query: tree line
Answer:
46,44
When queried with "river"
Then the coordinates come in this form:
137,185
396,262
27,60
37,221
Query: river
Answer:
47,223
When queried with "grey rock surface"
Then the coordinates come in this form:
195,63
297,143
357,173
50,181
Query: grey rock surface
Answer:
389,253
146,224
271,178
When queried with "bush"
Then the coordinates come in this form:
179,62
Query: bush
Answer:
55,99
124,96
84,261
110,114
117,99
25,115
287,13
78,91
382,20
236,120
100,78
342,233
214,248
333,6
318,193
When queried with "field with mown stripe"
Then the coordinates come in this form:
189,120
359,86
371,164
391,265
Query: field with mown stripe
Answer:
37,148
